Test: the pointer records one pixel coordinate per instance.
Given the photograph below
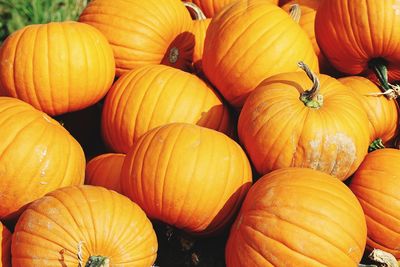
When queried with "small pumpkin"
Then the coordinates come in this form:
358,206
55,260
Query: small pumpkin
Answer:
144,32
187,176
57,67
154,95
250,41
376,184
37,155
5,243
105,170
297,217
282,124
83,226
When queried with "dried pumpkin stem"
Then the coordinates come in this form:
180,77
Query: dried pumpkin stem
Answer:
311,98
198,13
295,12
383,258
376,144
98,261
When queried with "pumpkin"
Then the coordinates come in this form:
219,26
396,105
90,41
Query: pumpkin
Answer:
187,176
5,242
37,155
155,95
250,41
282,124
79,225
57,67
104,170
361,38
298,217
376,184
382,112
143,32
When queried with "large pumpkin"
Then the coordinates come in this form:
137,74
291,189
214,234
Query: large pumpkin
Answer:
377,186
37,155
361,37
250,41
155,95
75,225
5,246
188,176
283,124
144,32
57,67
298,217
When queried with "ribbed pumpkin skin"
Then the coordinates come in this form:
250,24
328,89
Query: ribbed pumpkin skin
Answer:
154,95
101,221
351,33
298,217
143,32
376,184
187,176
278,130
249,42
58,67
199,30
37,155
382,112
5,250
105,170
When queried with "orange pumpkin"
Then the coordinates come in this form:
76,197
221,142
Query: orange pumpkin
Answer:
58,67
282,124
105,170
76,225
188,176
250,41
155,95
361,37
37,155
5,243
144,32
376,184
382,112
298,217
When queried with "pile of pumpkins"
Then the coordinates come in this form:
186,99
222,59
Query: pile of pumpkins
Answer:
277,120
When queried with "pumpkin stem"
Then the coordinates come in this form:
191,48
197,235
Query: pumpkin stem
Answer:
173,55
98,261
198,13
295,12
378,65
311,98
383,258
376,144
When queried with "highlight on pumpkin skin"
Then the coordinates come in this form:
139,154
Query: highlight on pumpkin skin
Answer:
5,249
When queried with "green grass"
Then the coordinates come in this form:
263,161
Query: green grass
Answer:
15,14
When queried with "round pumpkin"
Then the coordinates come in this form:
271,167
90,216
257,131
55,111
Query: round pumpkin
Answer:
187,176
76,225
37,155
361,37
376,184
283,124
57,67
5,243
105,170
155,95
143,32
298,217
382,112
249,42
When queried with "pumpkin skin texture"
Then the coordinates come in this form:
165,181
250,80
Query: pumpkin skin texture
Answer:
382,112
278,130
376,184
105,170
37,155
154,95
57,67
144,32
250,41
90,219
5,242
352,33
187,176
298,217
